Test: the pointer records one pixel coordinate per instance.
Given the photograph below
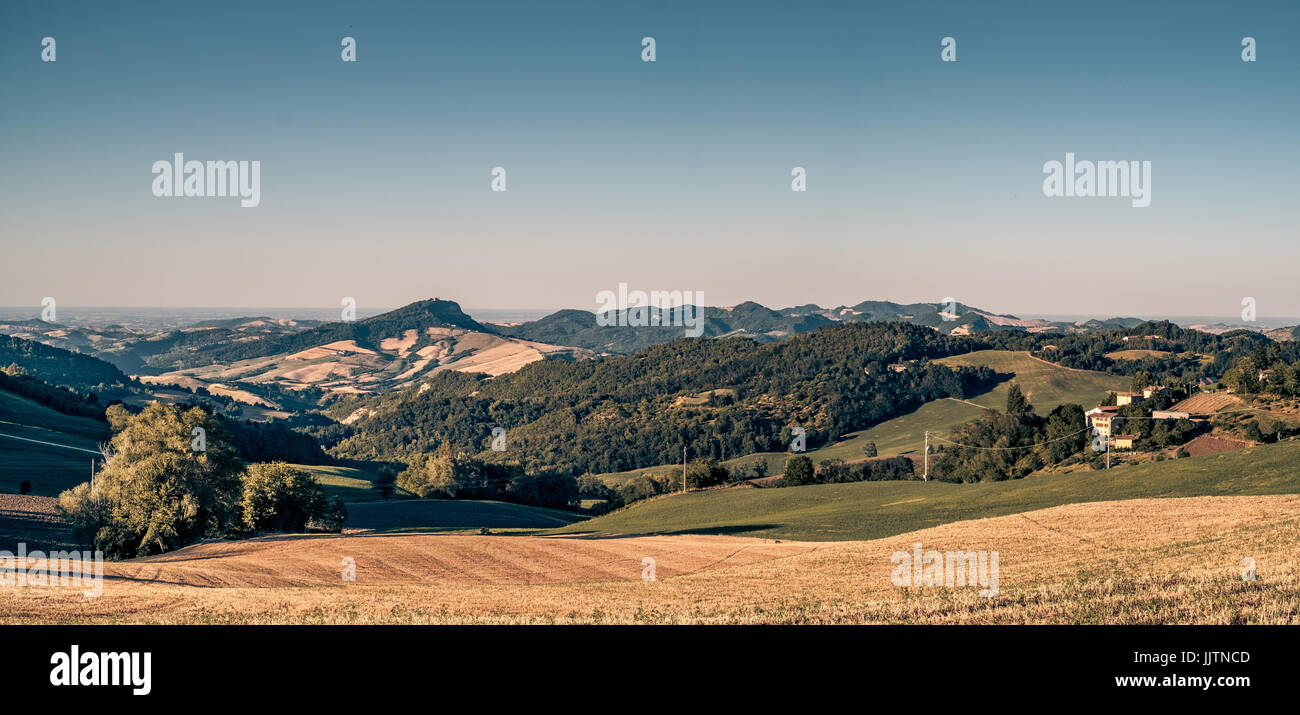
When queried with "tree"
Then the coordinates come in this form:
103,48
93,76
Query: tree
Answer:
174,477
279,497
1016,402
158,492
440,475
1141,379
870,449
799,470
385,482
117,416
1064,434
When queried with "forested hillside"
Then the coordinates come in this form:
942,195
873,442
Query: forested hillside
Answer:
58,366
719,398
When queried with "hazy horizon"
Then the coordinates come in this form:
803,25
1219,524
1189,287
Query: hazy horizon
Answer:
924,178
184,315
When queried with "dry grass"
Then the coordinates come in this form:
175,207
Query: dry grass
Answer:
1137,561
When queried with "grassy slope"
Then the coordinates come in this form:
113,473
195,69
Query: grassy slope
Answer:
50,469
869,510
348,483
1045,384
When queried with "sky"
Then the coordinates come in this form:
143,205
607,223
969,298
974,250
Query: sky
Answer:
924,177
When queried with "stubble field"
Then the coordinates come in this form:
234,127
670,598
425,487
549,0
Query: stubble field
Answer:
1136,561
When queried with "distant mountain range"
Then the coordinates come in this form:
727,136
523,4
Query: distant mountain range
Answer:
270,363
579,328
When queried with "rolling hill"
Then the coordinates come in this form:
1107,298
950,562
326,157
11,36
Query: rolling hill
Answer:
749,319
869,510
378,354
47,448
58,366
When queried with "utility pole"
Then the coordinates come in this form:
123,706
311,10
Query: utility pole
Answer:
683,470
1108,439
926,476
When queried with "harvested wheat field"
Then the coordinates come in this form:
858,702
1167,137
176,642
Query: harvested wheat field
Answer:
1136,561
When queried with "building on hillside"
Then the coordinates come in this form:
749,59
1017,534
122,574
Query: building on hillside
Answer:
1100,419
1128,398
1124,441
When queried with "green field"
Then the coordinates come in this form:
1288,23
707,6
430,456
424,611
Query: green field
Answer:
869,510
347,483
47,448
1046,385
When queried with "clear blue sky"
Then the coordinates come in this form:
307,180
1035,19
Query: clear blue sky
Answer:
924,177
